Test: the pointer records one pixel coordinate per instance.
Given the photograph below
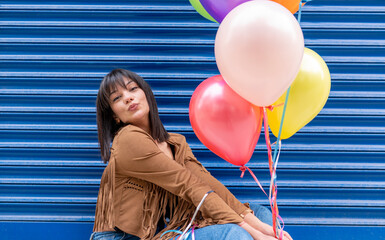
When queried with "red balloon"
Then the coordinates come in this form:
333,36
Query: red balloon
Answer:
224,122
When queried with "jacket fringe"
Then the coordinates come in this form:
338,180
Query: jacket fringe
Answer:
181,212
104,215
155,205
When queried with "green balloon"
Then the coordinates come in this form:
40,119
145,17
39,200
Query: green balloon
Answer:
201,10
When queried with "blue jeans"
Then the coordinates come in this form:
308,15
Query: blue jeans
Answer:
214,232
262,213
112,236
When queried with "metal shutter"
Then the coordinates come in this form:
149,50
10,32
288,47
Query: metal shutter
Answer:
53,55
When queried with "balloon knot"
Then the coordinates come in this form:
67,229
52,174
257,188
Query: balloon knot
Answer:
243,169
271,107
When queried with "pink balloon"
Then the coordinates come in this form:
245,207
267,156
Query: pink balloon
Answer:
258,49
224,122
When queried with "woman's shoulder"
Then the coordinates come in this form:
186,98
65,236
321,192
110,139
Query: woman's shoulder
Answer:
177,138
131,133
131,129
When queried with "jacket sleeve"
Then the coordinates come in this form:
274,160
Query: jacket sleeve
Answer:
198,170
137,155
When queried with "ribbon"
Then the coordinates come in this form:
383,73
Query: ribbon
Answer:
243,169
185,234
272,190
177,231
192,232
273,161
180,232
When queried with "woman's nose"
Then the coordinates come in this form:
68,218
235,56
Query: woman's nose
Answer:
128,97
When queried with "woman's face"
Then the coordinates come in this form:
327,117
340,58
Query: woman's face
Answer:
129,104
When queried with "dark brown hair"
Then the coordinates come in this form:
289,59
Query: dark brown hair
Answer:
107,126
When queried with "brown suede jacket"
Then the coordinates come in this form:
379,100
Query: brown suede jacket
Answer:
140,183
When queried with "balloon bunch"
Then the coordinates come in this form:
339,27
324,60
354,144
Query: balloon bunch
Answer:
260,53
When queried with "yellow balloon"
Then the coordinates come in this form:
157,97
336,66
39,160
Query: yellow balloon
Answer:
308,95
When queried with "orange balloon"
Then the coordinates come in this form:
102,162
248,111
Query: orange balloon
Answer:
291,5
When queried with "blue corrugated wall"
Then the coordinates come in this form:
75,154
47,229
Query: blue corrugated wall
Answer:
53,55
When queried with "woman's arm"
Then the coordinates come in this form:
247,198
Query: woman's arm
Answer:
257,235
198,170
262,227
137,155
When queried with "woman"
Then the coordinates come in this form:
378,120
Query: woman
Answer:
153,182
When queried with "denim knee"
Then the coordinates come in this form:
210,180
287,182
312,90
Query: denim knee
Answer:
236,232
262,213
228,231
111,235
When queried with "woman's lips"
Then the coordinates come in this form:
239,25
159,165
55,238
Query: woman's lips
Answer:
133,107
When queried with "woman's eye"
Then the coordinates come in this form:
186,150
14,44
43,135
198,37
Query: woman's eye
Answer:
115,98
133,88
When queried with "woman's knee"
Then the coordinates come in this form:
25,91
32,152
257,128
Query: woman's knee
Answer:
222,232
236,232
262,213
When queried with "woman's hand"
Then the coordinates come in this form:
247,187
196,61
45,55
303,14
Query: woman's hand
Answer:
286,235
255,234
262,227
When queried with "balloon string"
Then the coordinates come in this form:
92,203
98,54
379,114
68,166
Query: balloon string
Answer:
299,12
192,232
273,167
273,207
273,161
267,139
272,181
177,231
300,9
272,190
288,91
279,152
284,109
273,186
281,124
243,169
281,228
